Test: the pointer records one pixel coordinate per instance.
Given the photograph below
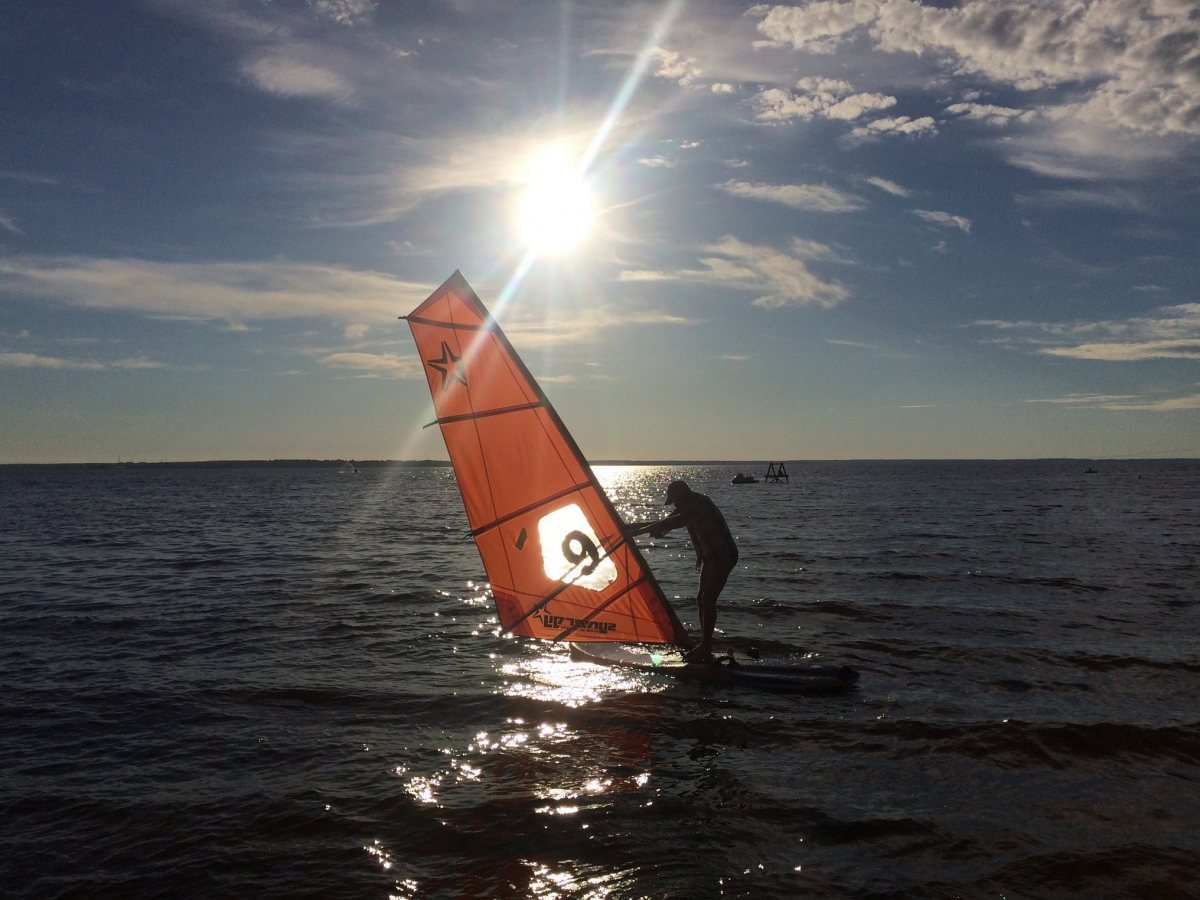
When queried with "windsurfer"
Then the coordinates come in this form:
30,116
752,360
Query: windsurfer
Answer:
716,553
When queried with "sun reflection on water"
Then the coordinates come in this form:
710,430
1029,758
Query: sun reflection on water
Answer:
377,850
636,491
546,760
547,884
553,677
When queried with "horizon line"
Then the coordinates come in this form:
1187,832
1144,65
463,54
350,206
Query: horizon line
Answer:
302,462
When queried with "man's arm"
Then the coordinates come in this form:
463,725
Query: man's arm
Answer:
659,528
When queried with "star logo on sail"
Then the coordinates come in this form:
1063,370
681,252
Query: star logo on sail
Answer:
449,366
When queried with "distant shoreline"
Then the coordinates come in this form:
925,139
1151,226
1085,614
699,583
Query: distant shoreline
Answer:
750,465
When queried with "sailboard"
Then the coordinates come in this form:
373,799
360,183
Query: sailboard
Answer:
809,679
558,561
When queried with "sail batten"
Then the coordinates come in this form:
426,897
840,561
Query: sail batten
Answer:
450,420
475,532
552,543
420,320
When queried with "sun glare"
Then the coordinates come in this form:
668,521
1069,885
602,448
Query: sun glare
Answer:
556,210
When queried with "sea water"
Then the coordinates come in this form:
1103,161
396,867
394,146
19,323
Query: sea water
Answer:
266,682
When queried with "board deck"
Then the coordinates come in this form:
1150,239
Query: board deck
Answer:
798,679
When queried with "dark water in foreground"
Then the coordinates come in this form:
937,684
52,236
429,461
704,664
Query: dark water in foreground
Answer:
287,683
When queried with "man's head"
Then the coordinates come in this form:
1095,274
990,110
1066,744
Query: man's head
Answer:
679,494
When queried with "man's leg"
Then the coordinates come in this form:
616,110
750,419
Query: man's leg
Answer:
713,576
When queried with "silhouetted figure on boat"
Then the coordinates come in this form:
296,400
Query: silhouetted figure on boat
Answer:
716,553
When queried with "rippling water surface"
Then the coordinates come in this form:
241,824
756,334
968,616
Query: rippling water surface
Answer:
290,683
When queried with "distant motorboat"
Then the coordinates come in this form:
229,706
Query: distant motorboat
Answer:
743,478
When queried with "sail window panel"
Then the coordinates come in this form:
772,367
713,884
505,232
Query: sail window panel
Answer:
550,550
571,551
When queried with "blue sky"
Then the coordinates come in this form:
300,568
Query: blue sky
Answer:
872,228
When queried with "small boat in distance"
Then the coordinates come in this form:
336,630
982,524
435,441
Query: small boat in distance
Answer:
743,478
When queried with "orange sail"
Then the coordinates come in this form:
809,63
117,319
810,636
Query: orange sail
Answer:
551,541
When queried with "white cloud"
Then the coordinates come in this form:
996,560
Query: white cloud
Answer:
355,331
873,131
815,251
1174,333
344,12
584,326
890,186
1113,198
815,27
819,85
138,362
673,66
376,365
34,361
1123,402
937,217
1128,351
777,105
1170,405
1083,399
825,97
815,197
858,105
720,87
780,279
8,223
657,162
224,291
277,74
1141,55
1133,64
644,275
992,115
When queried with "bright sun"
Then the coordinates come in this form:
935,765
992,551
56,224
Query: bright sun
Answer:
556,210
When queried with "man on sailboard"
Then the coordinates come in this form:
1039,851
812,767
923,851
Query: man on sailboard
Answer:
716,553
